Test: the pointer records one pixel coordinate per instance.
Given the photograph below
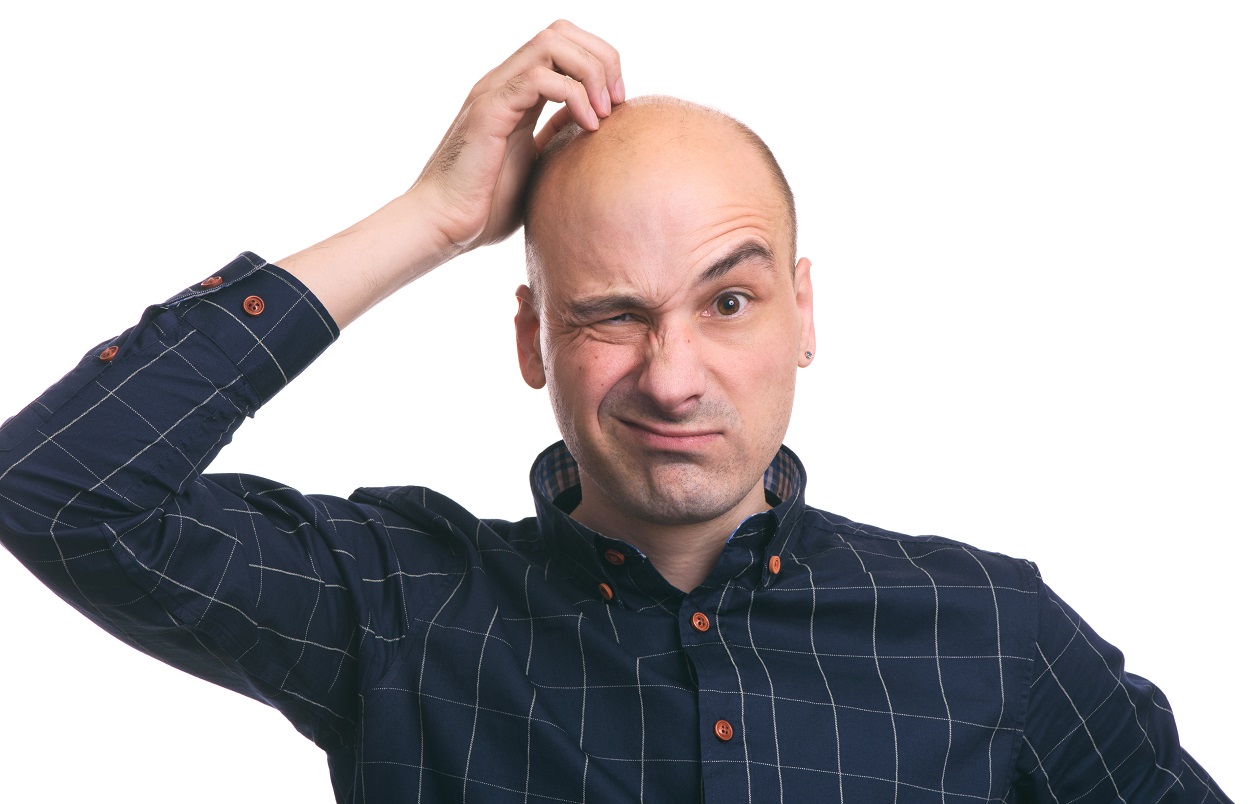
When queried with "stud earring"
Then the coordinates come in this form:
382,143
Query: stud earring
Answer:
808,355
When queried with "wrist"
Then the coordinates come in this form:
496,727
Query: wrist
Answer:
408,238
352,271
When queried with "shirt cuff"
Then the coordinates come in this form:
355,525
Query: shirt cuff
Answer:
262,318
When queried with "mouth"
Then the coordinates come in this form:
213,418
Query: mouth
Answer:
671,438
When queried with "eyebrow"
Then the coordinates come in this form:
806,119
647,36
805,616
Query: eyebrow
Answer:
751,250
600,307
605,306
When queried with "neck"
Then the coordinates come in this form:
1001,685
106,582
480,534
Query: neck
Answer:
683,553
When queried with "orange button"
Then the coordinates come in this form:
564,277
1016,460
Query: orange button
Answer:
723,730
605,591
614,557
699,622
254,305
109,354
775,564
212,282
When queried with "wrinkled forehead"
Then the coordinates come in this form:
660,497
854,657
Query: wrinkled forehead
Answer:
664,191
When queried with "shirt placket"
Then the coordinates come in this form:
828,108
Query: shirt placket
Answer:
722,738
731,735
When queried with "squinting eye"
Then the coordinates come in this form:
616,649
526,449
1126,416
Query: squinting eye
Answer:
730,303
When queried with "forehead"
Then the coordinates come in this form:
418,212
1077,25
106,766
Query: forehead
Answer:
660,201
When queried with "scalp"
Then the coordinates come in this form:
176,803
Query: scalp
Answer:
636,130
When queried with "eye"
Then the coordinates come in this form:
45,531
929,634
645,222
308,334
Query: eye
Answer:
730,304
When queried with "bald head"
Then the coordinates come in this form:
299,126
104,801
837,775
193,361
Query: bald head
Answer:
667,313
641,135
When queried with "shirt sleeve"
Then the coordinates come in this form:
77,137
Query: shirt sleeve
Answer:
1095,733
235,579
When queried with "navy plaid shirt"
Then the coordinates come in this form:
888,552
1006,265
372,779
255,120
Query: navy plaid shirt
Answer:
439,657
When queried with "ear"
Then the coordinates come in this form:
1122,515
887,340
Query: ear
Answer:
529,338
804,302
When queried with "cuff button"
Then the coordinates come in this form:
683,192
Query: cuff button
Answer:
254,305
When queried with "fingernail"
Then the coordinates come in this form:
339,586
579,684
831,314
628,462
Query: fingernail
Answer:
619,89
605,101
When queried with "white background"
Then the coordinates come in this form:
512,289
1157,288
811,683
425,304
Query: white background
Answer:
1033,231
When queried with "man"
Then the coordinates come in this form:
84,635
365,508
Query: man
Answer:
675,624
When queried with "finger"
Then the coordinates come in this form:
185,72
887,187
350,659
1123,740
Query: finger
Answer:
556,51
562,54
601,50
552,127
527,92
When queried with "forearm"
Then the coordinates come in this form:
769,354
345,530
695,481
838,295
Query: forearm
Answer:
359,267
103,498
471,190
142,414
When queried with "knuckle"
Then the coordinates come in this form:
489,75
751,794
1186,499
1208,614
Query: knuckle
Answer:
546,37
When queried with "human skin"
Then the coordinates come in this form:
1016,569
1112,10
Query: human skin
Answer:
468,194
669,326
675,410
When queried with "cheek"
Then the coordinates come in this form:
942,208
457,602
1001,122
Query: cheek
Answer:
760,382
583,375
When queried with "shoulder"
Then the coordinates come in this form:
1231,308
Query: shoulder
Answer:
926,595
887,554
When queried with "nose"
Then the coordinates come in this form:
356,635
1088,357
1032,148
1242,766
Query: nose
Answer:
673,373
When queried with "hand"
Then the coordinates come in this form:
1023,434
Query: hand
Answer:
469,193
474,180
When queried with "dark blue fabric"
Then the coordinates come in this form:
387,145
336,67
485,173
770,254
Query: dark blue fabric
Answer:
441,657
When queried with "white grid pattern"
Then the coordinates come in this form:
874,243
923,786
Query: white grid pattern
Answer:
874,667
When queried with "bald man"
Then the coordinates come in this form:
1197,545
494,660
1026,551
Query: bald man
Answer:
667,317
675,624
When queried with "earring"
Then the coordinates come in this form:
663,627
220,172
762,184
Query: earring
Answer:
808,355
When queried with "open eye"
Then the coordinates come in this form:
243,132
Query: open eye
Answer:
730,304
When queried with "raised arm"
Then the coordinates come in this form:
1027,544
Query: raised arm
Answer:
237,579
469,193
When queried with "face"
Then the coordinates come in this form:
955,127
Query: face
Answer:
668,328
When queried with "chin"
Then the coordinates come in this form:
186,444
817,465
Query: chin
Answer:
683,500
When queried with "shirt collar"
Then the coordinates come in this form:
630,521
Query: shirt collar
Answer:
597,559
